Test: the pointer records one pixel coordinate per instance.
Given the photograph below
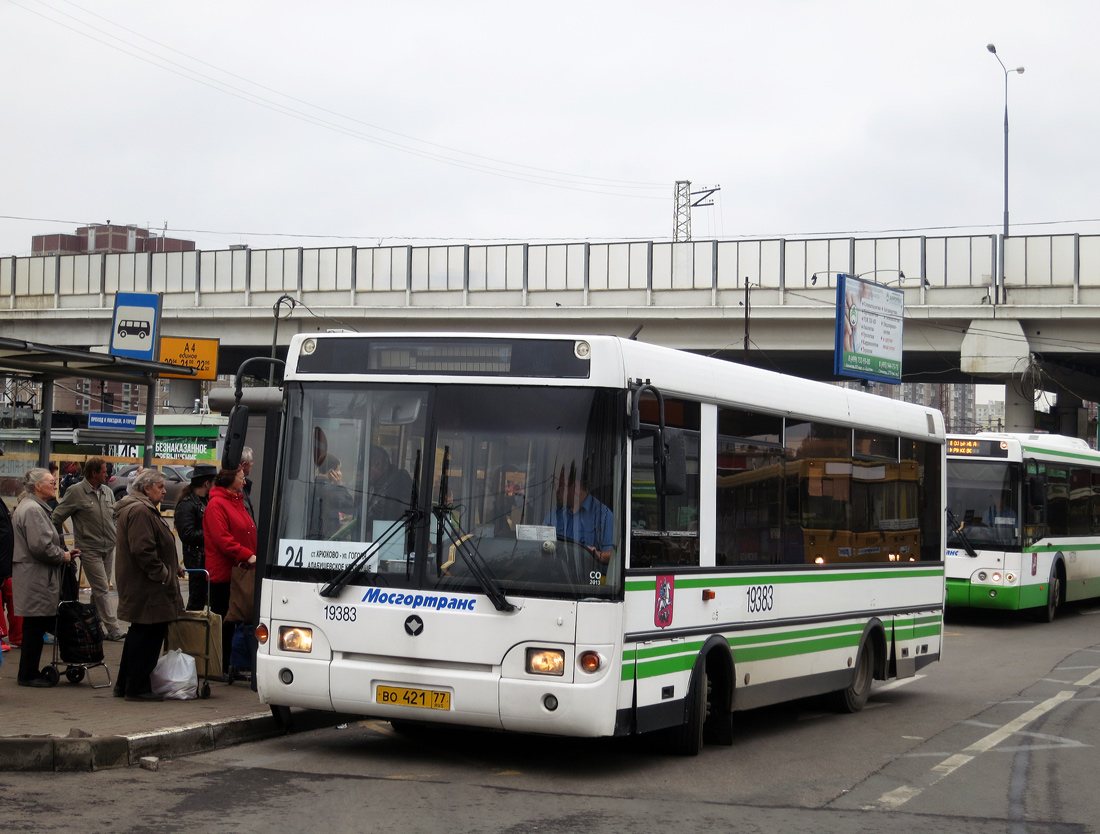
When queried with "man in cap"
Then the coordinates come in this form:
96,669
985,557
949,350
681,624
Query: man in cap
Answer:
91,506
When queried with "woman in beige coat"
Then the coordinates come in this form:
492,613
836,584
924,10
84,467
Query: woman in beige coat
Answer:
147,572
37,564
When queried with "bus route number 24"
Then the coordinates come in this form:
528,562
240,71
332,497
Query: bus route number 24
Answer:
760,598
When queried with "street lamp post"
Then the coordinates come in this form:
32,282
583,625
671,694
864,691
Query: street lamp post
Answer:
999,293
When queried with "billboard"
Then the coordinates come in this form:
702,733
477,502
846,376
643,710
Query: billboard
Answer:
869,320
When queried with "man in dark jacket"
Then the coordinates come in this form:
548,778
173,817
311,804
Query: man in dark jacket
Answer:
91,506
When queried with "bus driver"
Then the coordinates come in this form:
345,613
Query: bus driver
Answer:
581,517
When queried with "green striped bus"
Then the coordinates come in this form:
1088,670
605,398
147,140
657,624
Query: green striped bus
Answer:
1024,531
591,536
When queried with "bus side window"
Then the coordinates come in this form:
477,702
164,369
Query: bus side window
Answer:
676,543
749,487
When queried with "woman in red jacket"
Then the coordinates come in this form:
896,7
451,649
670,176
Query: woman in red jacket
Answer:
229,538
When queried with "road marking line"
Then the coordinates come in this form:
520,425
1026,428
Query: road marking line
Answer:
895,684
1090,679
894,799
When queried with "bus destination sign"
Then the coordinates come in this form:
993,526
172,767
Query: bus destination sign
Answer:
970,447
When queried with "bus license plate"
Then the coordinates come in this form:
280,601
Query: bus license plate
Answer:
423,698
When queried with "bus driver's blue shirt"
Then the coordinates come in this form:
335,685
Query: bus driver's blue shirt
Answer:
592,525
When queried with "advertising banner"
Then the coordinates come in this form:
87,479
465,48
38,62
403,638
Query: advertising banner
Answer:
869,320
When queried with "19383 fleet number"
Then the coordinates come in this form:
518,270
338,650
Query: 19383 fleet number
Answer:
340,613
760,598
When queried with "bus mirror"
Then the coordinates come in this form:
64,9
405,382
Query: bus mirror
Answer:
399,409
235,432
670,462
1036,492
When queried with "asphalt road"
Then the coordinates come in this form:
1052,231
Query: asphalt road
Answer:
1003,735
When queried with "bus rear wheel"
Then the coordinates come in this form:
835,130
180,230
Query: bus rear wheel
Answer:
854,696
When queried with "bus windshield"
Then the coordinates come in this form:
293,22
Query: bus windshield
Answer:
455,488
984,498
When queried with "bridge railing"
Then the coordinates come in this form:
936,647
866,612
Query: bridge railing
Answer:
705,272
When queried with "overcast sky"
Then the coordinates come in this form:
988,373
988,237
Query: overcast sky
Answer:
314,124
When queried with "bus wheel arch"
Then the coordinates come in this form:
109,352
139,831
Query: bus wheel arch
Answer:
718,662
868,665
708,707
1056,591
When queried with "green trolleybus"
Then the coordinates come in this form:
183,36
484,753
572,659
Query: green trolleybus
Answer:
1024,513
590,536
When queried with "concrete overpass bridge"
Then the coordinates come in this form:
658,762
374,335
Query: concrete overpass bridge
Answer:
768,302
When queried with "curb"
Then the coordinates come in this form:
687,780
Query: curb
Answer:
82,754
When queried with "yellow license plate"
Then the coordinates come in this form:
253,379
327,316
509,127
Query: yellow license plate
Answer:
423,698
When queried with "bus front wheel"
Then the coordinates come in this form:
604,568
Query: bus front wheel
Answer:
687,739
854,696
1045,613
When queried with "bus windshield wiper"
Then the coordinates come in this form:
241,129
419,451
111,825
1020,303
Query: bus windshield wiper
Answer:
342,579
469,554
957,531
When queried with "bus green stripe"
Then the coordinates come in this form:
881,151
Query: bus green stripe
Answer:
1060,453
666,666
930,624
772,652
786,579
1051,548
649,652
652,661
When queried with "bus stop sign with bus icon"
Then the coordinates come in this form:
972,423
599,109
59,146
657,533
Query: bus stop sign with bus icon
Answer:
136,327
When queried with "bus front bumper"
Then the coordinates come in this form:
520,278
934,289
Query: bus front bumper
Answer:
963,593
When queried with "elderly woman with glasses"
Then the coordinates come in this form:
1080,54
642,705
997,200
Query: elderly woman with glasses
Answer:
147,572
37,566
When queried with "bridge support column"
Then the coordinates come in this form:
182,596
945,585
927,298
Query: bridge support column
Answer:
999,349
1019,411
182,393
1070,416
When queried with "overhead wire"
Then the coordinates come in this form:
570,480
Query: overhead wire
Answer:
632,183
573,182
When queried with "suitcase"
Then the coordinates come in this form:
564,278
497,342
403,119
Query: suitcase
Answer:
199,634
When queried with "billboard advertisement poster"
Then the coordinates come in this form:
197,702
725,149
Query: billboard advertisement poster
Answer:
869,320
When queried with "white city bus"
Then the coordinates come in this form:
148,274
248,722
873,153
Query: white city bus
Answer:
503,547
1024,514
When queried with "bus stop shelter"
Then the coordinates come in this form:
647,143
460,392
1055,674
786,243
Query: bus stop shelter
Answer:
46,363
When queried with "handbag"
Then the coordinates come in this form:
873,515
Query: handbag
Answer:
242,595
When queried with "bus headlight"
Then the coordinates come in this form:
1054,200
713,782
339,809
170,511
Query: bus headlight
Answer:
295,639
996,577
545,662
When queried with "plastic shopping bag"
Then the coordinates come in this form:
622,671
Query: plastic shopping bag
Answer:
176,677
